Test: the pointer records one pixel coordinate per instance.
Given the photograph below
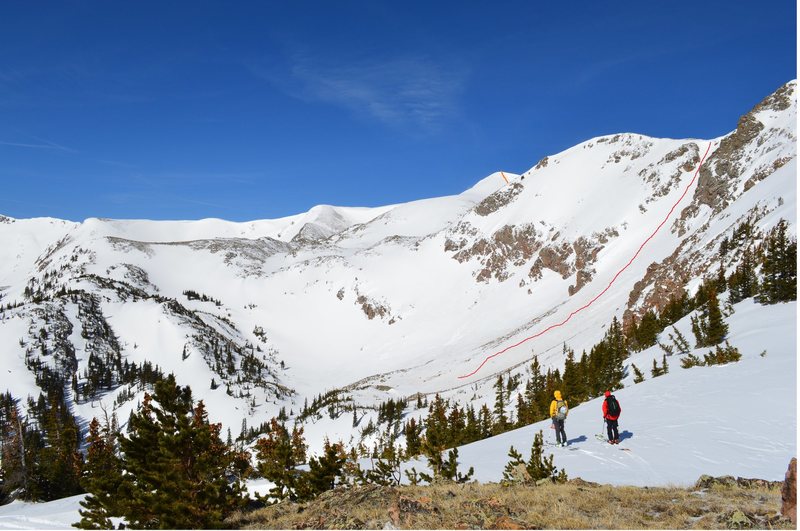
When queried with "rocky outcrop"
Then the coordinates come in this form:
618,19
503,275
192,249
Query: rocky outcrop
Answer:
764,172
554,258
559,258
510,245
723,166
677,162
499,199
789,493
722,172
371,308
707,482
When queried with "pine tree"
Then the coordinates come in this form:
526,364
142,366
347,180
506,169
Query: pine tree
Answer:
501,420
485,421
511,471
716,329
656,371
535,393
279,454
14,470
102,475
541,468
59,464
690,360
721,284
680,342
450,471
573,379
779,266
523,415
176,466
743,283
385,471
638,376
323,471
647,331
413,430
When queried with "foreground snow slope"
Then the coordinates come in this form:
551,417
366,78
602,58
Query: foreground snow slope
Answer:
738,419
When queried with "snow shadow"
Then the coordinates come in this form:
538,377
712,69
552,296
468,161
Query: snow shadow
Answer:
625,434
580,439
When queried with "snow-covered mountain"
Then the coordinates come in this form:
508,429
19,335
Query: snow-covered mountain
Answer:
394,301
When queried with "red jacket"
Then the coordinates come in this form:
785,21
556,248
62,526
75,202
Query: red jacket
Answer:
605,411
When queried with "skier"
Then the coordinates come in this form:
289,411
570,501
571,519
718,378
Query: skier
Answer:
611,412
558,412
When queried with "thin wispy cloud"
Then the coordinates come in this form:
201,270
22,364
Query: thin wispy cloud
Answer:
43,145
405,92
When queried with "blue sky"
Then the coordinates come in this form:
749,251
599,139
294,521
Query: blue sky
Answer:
186,110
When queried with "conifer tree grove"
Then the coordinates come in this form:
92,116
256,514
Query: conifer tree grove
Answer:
173,469
279,454
779,266
101,475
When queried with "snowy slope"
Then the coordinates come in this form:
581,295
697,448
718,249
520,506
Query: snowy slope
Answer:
392,301
737,419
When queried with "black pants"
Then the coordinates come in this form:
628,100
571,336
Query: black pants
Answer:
613,432
561,435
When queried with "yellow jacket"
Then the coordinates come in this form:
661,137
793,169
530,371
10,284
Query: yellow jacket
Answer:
554,403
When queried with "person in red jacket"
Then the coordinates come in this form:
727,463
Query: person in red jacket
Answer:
611,412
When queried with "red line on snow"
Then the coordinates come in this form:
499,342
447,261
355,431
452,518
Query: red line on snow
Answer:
575,312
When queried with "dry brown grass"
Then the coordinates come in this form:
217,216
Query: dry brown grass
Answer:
575,505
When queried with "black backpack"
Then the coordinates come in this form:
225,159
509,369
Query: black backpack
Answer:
612,406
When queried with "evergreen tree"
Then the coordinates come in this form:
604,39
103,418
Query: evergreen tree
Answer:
446,469
721,284
638,376
174,467
485,422
501,420
656,371
539,468
450,471
716,329
413,430
385,471
680,342
14,470
279,454
59,464
510,472
535,392
523,414
779,266
102,475
573,379
647,331
323,471
675,309
743,282
472,430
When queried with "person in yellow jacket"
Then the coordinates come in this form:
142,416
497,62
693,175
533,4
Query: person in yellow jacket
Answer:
558,412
